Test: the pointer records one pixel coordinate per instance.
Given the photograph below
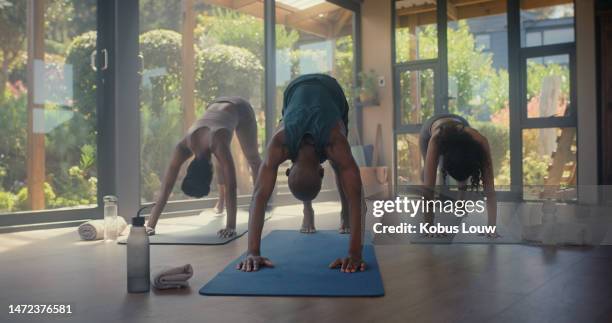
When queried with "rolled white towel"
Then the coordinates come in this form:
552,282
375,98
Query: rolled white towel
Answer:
173,277
94,229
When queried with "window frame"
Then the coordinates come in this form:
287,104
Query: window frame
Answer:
518,102
545,51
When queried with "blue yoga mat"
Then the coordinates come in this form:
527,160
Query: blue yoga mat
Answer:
301,269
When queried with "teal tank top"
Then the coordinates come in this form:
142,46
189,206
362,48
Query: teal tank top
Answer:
312,105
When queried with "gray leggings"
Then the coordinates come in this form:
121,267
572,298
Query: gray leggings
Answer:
246,131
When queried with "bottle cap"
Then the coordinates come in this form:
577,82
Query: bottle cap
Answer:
138,221
110,198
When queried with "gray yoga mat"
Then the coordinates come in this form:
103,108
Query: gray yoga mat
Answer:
198,230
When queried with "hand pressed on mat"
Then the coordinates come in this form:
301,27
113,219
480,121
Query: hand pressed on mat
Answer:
227,232
253,263
348,264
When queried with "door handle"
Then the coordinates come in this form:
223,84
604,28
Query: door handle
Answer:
140,64
93,60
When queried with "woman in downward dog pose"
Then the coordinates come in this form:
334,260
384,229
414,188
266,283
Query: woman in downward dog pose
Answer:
212,135
313,130
463,153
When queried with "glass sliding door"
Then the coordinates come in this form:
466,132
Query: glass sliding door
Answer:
48,106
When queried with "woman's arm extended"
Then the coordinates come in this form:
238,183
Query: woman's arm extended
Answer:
339,154
264,186
179,156
228,171
488,182
430,172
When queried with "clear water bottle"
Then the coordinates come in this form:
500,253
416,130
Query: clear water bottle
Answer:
110,218
138,270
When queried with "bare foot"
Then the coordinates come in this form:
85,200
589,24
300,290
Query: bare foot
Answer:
308,221
219,207
307,229
345,227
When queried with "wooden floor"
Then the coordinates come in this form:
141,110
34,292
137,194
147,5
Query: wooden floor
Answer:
423,283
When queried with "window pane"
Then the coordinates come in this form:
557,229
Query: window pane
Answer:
409,160
478,76
549,163
416,32
483,41
416,96
548,86
224,48
534,38
314,37
47,118
555,36
552,18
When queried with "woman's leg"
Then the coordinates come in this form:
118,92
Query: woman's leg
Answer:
344,215
220,206
247,136
308,225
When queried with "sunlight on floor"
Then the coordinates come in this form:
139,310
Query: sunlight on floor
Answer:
15,240
10,241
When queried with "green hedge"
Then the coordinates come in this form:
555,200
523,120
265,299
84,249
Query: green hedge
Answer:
227,70
84,88
161,48
161,54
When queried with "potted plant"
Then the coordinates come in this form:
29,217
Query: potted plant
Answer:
368,91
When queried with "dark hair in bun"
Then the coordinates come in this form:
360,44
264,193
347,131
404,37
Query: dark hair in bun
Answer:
199,175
